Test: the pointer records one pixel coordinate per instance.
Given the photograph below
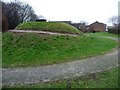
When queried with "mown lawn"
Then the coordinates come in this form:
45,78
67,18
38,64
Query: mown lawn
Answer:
30,49
49,26
105,79
103,34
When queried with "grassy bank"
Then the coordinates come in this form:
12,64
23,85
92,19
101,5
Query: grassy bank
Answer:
30,49
105,79
49,26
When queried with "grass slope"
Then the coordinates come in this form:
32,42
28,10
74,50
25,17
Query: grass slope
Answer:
105,79
49,26
30,49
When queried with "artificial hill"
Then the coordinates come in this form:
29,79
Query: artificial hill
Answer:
59,27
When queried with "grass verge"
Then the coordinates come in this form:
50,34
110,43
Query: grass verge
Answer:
104,79
103,34
30,49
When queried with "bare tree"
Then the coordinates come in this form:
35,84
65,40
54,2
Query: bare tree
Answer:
26,13
18,12
84,22
10,10
115,20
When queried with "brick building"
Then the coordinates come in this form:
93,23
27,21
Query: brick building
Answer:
94,27
97,27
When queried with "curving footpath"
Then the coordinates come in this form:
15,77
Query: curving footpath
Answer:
30,75
42,32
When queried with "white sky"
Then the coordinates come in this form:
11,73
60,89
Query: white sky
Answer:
75,10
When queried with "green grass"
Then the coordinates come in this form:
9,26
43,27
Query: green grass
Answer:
103,34
104,79
49,26
30,49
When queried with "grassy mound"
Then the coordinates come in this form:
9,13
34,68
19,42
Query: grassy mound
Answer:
30,49
49,26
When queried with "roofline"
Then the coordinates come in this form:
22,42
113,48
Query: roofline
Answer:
97,22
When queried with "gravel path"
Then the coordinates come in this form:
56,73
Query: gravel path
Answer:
28,75
42,32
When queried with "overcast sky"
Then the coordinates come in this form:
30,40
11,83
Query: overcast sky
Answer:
75,10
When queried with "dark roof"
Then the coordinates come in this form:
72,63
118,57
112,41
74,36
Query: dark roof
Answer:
62,21
37,20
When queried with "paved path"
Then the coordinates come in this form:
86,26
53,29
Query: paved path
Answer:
28,75
42,32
